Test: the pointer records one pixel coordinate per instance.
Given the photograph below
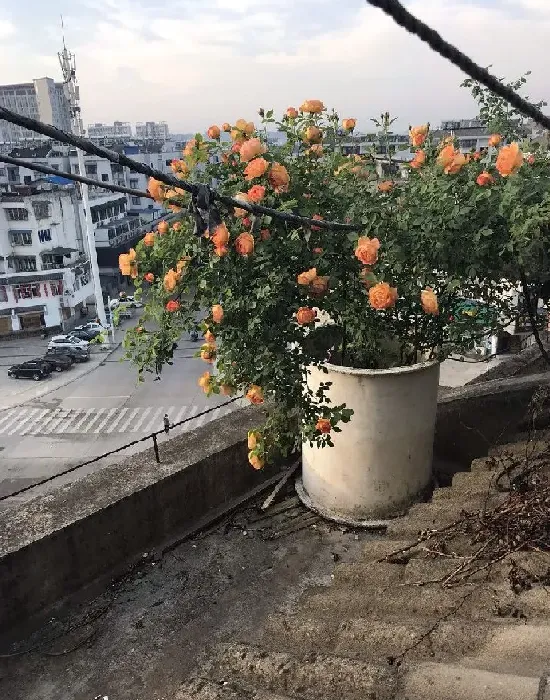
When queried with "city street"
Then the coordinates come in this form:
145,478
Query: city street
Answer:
99,407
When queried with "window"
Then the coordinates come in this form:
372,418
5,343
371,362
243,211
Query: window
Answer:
2,172
3,293
27,179
26,291
44,234
104,177
468,143
17,214
136,201
76,169
168,162
57,288
91,168
20,237
24,264
134,182
41,209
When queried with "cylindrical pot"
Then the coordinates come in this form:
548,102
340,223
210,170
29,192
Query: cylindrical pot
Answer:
382,459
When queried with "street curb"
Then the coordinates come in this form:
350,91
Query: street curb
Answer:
47,391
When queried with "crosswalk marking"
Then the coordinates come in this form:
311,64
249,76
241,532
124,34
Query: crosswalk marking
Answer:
103,421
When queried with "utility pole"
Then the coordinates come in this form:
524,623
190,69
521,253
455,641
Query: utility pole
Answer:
72,92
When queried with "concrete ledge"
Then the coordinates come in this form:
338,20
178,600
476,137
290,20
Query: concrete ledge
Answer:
61,541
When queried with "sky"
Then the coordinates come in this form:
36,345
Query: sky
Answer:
194,63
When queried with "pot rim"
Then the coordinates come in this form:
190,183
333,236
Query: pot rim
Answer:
405,369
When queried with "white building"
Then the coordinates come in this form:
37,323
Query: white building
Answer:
152,131
44,272
117,130
43,99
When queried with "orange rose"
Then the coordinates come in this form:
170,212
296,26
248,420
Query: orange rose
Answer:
476,155
256,168
315,151
220,237
385,186
291,113
530,159
149,239
305,315
382,296
156,189
217,313
205,382
319,286
279,178
255,394
323,425
418,160
253,438
484,179
349,124
163,227
250,149
149,277
238,137
180,168
317,217
307,277
221,250
128,264
256,461
139,330
171,279
226,127
172,306
241,197
417,135
428,299
495,139
451,160
214,132
244,126
176,226
191,145
244,243
182,264
227,389
256,193
312,106
367,250
208,353
313,135
210,337
509,160
265,234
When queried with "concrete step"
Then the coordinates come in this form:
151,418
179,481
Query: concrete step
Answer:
375,640
521,650
519,449
311,676
432,681
471,484
399,602
366,574
374,550
431,516
202,689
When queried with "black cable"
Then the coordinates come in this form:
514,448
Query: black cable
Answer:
120,159
412,24
44,169
118,449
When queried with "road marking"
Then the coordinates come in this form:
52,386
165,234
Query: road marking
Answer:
135,429
179,415
12,421
122,412
110,413
81,420
8,415
52,426
63,427
128,421
47,421
22,422
32,427
99,412
151,423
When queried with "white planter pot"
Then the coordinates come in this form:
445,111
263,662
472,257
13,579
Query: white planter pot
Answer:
382,459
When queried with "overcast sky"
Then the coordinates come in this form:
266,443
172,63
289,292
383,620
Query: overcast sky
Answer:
198,62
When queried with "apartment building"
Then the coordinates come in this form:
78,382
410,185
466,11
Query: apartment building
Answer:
43,99
105,132
152,131
44,272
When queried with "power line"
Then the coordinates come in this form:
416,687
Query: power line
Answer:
435,41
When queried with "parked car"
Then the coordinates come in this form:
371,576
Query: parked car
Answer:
84,335
76,353
127,301
67,341
35,369
92,326
56,363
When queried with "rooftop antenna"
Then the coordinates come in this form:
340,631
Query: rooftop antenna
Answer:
72,93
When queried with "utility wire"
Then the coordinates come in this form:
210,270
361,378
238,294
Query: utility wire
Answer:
435,41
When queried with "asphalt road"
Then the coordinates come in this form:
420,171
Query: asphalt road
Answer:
93,413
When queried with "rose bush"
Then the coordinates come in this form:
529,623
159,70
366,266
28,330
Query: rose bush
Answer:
276,298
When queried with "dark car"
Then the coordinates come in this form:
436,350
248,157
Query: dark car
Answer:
56,363
84,334
75,353
36,370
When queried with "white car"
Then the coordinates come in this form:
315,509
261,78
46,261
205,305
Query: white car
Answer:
91,326
60,341
128,302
